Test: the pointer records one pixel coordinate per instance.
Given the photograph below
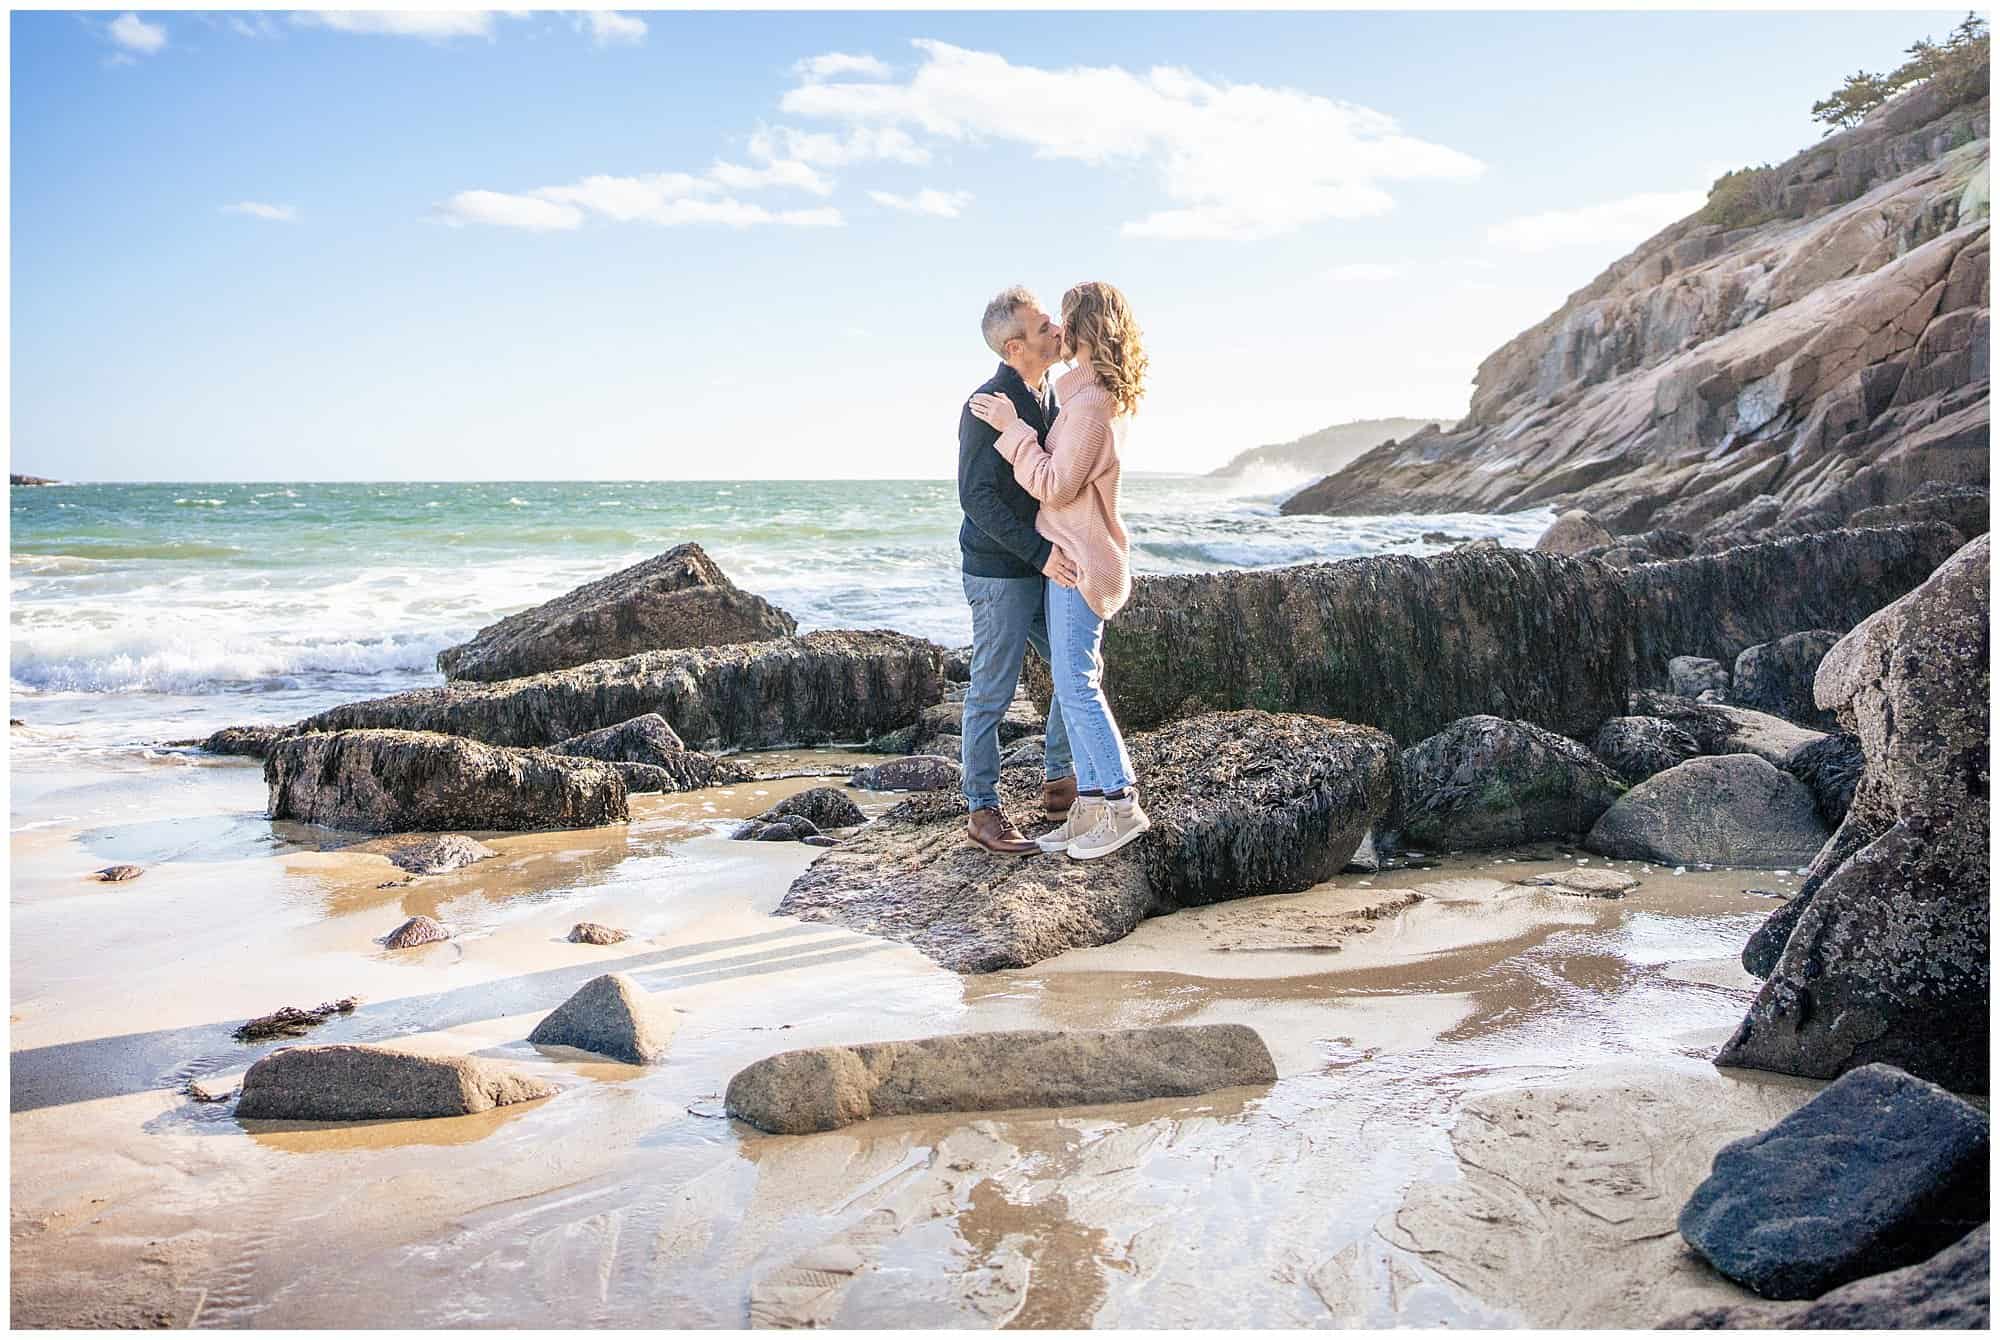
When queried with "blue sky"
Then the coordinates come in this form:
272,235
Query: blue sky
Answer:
676,245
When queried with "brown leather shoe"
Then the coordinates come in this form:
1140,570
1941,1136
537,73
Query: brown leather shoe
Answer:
991,830
1058,796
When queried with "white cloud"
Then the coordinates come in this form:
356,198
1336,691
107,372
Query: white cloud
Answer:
938,204
509,211
133,33
257,209
253,25
861,144
1362,272
668,199
608,26
834,64
1623,222
783,172
435,24
1239,161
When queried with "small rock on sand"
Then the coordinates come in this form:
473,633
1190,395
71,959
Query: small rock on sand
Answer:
440,855
590,933
113,874
824,1088
290,1022
350,1082
415,931
612,1016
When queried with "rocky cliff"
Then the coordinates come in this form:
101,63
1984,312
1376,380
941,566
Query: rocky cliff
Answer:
1778,377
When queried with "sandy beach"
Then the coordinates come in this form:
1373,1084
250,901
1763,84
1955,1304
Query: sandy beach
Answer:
1455,1068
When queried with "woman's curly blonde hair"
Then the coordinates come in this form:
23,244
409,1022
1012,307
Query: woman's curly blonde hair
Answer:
1098,315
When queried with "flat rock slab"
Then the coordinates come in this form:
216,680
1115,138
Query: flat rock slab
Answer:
612,1016
822,688
676,599
824,1088
1877,1172
1951,1291
1734,810
1592,883
349,1082
441,855
1242,803
396,781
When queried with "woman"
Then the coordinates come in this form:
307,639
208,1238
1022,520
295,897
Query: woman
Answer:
1075,477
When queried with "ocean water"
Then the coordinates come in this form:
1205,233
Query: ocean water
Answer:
141,612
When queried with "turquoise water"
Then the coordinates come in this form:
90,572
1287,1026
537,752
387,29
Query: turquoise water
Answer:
142,610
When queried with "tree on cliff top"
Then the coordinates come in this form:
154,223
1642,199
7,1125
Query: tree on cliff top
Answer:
1961,61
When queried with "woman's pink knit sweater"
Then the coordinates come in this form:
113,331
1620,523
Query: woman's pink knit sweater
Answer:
1076,479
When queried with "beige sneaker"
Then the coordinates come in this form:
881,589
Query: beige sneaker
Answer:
1082,815
1118,822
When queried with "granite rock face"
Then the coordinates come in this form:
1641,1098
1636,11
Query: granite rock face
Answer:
1951,1291
348,1082
676,599
1637,747
394,781
821,688
1484,782
825,1088
1827,357
1731,810
1878,1171
1242,803
1888,955
1777,677
612,1016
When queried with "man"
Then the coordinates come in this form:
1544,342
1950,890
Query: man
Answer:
1005,567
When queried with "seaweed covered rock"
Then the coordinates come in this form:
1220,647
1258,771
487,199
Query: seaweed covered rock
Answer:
825,1088
643,739
1832,767
1888,955
1777,677
1692,676
1878,1171
394,781
918,772
247,741
1637,747
1483,782
1730,810
352,1082
1242,803
817,689
676,599
440,855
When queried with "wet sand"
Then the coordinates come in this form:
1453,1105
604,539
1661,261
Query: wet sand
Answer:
1492,1099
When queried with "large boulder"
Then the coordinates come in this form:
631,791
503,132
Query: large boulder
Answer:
1777,677
1887,958
610,1015
396,781
352,1082
817,689
1410,645
1950,1291
822,806
1637,747
918,772
1692,676
1485,782
824,1088
1878,1171
1734,810
676,599
1242,803
1572,533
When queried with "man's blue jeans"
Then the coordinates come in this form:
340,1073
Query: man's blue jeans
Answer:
1009,615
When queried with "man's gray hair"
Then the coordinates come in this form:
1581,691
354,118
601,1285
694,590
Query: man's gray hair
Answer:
1001,322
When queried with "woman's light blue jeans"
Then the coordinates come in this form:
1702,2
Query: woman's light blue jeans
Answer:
1076,660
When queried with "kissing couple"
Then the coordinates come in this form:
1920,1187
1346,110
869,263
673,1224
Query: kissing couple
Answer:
1046,560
